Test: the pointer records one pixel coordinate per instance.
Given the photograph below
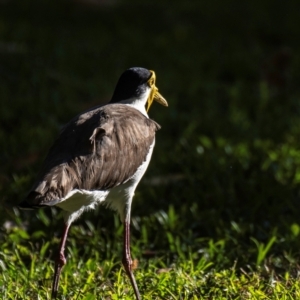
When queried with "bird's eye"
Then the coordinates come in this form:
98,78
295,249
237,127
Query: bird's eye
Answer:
151,81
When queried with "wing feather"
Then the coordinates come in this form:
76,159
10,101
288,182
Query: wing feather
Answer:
97,150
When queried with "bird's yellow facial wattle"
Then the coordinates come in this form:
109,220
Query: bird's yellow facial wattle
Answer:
154,94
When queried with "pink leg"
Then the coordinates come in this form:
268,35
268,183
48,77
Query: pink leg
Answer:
60,262
127,261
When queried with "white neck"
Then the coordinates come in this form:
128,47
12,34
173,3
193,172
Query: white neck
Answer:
138,103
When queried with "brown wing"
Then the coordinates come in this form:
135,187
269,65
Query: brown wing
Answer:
97,150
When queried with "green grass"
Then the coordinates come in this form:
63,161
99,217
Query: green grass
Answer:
217,214
191,273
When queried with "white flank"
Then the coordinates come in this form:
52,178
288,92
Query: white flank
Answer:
118,198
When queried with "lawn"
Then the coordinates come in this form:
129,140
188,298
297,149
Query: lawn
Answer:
217,214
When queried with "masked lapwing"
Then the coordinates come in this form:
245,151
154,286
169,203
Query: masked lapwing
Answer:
99,157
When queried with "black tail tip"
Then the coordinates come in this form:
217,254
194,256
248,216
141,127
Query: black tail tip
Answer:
24,205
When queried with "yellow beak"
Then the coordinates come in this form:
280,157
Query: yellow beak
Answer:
154,94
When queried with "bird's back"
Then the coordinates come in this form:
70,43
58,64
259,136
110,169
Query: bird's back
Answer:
97,150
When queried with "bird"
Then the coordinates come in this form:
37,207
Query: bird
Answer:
99,158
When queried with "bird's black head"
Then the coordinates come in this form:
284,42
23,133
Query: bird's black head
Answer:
132,84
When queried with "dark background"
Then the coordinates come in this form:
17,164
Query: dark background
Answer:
227,159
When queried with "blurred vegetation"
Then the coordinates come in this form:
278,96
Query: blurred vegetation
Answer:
224,178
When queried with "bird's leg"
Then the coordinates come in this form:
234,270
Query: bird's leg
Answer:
60,262
127,261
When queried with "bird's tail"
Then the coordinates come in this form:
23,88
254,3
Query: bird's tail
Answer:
28,203
26,206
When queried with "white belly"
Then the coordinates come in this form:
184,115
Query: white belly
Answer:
117,198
